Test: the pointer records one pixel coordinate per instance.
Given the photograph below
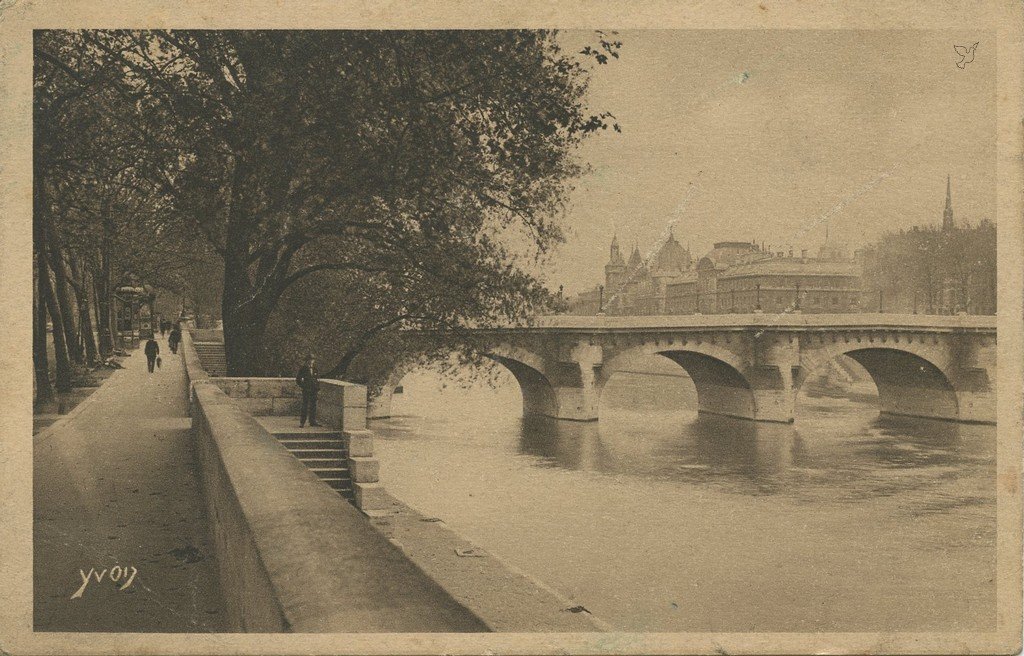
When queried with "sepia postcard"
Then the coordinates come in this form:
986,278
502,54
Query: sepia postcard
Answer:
511,328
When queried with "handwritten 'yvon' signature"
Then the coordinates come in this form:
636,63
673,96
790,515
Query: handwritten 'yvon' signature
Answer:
115,574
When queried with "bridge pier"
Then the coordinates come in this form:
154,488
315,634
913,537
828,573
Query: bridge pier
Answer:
566,387
975,398
772,389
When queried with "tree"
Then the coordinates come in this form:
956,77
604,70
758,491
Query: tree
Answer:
104,218
385,154
930,270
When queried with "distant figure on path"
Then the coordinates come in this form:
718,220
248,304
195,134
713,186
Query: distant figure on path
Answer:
152,350
309,382
174,339
163,328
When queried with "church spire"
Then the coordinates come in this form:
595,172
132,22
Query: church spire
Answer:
614,255
947,214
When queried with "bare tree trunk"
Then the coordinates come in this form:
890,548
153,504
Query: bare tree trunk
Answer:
63,298
104,301
245,321
40,359
60,346
82,285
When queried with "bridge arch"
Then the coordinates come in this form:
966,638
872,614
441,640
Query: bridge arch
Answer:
529,370
717,374
912,378
527,367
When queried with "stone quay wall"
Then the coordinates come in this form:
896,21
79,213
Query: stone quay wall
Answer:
340,405
292,555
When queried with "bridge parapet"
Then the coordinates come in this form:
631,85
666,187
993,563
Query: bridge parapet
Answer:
751,366
930,323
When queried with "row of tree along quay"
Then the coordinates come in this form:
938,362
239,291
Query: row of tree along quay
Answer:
330,190
933,270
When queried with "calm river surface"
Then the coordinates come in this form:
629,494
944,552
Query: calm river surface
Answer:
656,519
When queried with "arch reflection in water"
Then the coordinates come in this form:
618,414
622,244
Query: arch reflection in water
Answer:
651,500
676,446
649,429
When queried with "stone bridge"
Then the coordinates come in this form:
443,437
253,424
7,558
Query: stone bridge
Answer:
751,366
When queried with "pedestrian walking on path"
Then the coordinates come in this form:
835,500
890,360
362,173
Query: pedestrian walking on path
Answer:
117,485
309,381
152,350
174,339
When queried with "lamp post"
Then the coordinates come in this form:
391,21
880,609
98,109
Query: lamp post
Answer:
797,306
600,299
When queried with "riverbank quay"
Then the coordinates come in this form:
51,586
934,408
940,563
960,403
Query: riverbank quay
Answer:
120,537
293,554
504,597
310,560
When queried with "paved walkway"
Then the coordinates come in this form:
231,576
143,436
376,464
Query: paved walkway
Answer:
116,485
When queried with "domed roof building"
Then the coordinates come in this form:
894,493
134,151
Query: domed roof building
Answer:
672,256
733,276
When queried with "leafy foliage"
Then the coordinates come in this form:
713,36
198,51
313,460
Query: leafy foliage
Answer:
933,271
382,179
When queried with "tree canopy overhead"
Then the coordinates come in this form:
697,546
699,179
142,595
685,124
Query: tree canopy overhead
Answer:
420,173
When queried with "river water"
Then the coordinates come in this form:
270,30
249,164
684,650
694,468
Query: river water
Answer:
659,519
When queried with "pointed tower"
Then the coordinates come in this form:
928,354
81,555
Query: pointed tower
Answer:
614,256
947,214
615,270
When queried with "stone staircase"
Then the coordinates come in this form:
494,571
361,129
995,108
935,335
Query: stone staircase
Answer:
320,449
211,357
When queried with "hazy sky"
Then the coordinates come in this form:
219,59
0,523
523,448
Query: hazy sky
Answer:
769,135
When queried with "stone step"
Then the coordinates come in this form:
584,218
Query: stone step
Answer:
338,483
299,434
329,472
317,453
312,443
323,463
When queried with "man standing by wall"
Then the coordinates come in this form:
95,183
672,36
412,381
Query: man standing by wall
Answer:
309,382
174,339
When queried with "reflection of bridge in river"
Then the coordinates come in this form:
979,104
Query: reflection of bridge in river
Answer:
751,365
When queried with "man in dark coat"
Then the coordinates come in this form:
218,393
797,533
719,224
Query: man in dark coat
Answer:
174,339
309,381
152,350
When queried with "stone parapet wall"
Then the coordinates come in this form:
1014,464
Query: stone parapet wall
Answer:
292,554
340,405
194,368
263,396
